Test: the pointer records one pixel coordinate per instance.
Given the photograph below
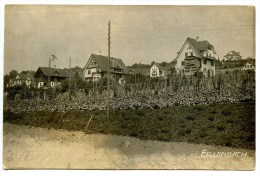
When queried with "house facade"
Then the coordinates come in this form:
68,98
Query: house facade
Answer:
97,68
56,75
232,56
196,56
156,71
22,79
250,65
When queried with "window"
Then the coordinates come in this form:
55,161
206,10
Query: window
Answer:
89,72
186,55
205,61
154,74
191,53
204,70
189,47
212,63
182,62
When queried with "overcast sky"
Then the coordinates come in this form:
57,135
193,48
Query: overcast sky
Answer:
138,33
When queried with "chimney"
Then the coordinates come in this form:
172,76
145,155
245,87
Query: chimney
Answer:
197,38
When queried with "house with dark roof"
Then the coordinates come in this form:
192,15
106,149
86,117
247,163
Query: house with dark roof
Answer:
232,56
97,68
156,71
56,75
196,56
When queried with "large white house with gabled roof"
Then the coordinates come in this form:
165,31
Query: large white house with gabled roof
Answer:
196,56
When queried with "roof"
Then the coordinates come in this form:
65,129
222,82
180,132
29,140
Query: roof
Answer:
23,76
144,71
201,46
232,53
251,62
158,65
102,61
55,72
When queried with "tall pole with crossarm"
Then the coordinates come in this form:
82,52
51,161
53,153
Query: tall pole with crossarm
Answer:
108,75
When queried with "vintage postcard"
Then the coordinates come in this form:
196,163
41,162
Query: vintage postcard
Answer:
129,87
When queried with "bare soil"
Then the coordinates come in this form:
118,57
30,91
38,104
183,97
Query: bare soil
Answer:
28,147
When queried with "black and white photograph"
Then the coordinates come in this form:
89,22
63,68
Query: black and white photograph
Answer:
129,87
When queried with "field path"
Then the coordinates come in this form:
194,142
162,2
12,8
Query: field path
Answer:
38,148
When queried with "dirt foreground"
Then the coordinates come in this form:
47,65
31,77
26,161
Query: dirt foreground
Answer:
37,148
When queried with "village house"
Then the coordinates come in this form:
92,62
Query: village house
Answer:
196,56
22,79
232,56
250,65
97,68
156,71
56,75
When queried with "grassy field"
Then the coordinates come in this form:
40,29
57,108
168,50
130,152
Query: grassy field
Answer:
217,124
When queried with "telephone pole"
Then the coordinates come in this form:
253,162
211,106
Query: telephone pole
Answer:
70,75
49,76
108,80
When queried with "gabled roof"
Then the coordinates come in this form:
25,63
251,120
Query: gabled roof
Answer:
23,76
102,62
199,47
232,53
54,72
251,62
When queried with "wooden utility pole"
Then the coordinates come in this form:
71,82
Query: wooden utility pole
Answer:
49,76
70,75
108,80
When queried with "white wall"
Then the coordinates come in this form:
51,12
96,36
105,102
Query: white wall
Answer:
187,48
207,67
210,53
152,69
92,70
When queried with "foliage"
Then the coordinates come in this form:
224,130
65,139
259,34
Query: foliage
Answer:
13,74
194,124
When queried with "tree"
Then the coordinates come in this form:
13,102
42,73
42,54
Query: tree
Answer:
6,81
153,62
13,74
164,64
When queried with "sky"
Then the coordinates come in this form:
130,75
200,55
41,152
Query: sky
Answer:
139,34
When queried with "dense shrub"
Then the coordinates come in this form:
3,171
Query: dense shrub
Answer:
179,125
226,113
